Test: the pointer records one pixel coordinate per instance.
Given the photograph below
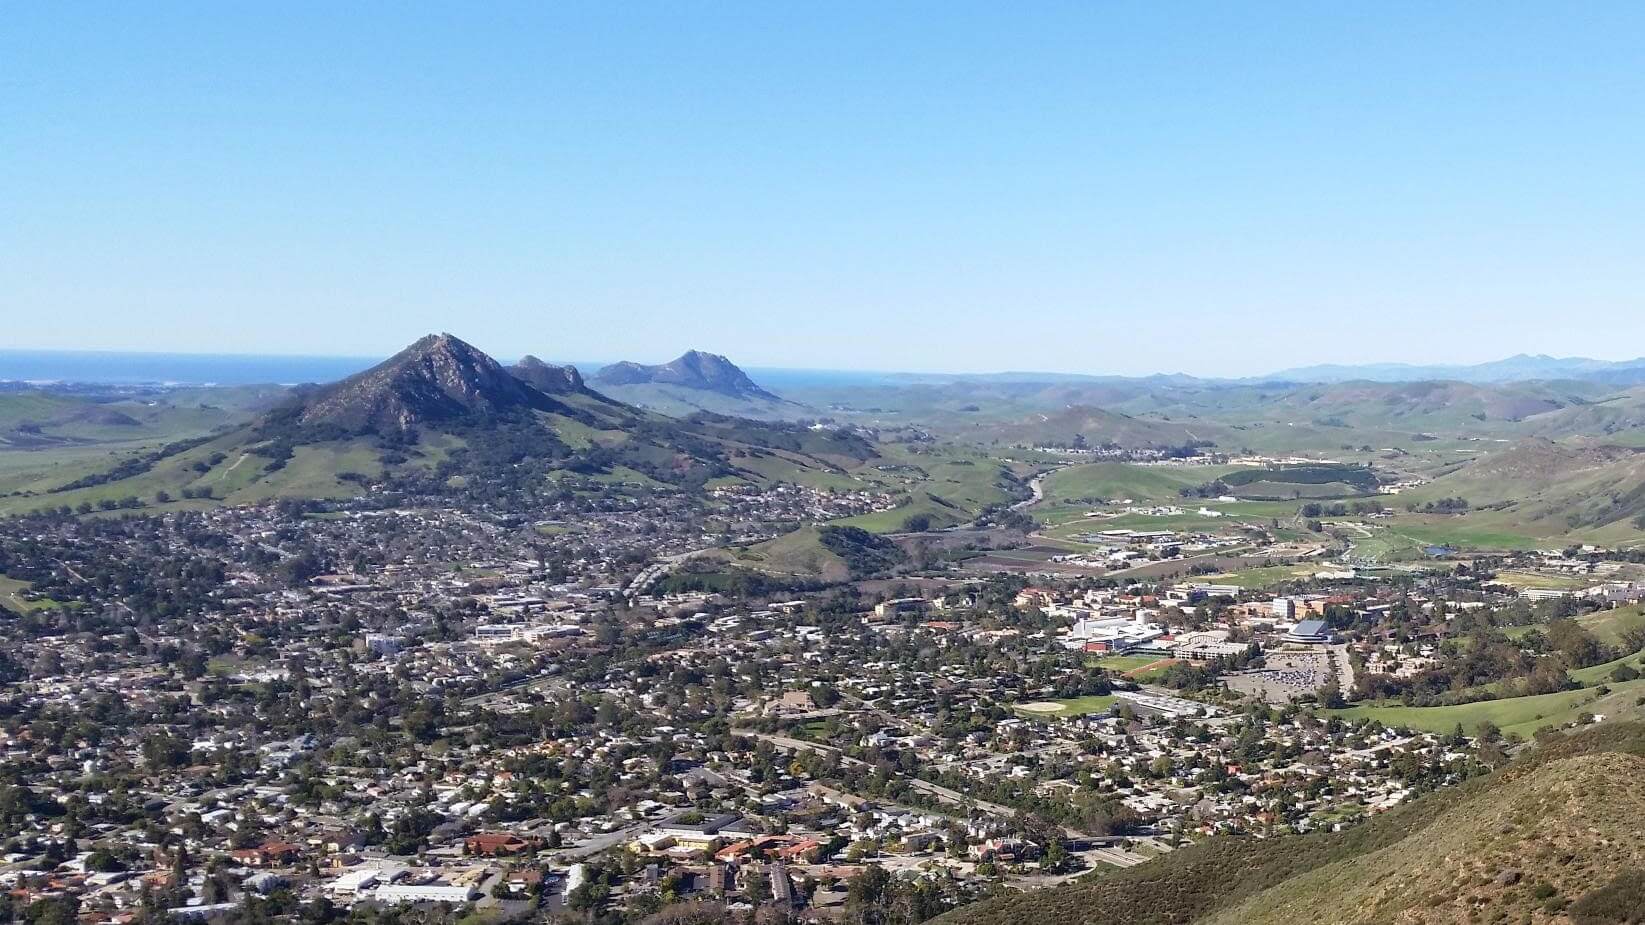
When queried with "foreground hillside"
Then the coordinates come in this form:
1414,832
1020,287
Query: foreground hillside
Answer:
1554,837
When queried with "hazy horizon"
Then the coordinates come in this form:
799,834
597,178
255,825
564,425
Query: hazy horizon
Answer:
192,367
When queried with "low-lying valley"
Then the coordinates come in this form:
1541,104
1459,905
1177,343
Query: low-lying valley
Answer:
454,639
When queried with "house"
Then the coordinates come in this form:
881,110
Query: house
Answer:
496,844
268,854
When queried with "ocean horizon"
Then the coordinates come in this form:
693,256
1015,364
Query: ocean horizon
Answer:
123,368
114,367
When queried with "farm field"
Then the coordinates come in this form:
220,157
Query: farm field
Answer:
1111,481
1461,534
1529,580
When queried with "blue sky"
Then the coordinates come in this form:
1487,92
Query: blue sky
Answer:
1086,187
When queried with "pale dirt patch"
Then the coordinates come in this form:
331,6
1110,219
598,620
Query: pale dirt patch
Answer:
1041,706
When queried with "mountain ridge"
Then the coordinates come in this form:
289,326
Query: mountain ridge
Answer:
437,378
547,377
694,369
1522,367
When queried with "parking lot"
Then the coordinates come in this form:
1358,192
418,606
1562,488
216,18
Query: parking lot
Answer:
1286,677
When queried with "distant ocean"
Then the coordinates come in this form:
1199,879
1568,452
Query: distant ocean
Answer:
116,368
173,368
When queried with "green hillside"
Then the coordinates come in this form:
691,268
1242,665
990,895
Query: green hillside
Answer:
1112,481
680,401
1539,488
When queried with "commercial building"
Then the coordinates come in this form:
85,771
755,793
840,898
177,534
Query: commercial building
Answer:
1309,632
425,893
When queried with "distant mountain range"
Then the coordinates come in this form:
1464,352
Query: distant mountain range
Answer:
1521,368
705,372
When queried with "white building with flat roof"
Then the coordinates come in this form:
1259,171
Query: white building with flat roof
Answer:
425,893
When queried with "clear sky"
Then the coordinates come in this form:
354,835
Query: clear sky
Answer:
1216,188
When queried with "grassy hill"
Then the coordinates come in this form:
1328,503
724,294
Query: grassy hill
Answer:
36,420
682,401
1265,417
1618,418
1113,481
1540,488
1555,832
1541,842
1096,427
1520,716
941,486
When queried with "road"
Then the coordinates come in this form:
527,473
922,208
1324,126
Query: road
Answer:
1037,486
1345,669
656,571
605,842
551,680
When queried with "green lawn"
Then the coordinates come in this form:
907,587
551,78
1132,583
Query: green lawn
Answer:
1074,706
1153,674
11,597
1265,576
1521,716
1123,663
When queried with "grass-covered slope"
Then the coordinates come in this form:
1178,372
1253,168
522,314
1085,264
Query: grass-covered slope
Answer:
1558,831
1544,489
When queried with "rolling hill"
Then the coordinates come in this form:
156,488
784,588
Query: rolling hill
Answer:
1551,837
1263,416
1548,489
1618,418
1088,425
